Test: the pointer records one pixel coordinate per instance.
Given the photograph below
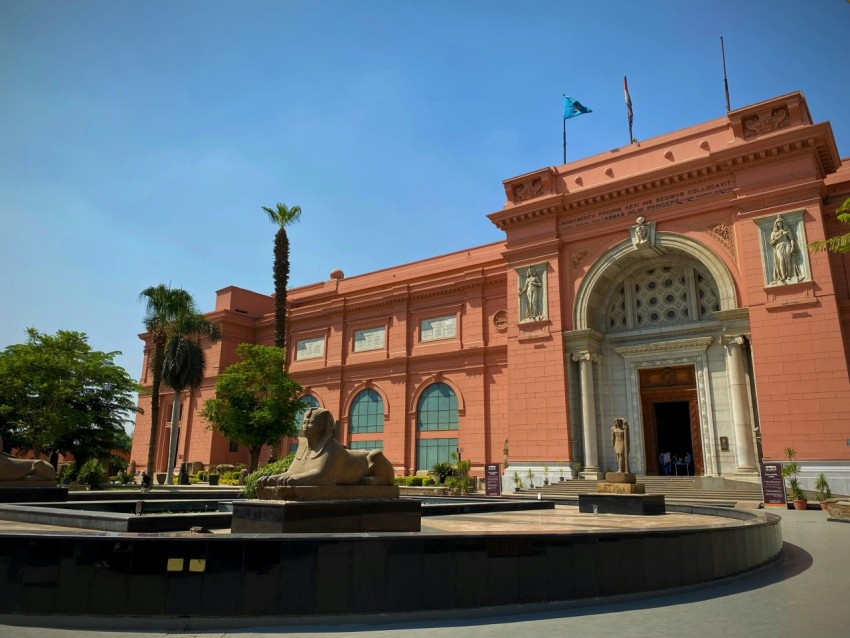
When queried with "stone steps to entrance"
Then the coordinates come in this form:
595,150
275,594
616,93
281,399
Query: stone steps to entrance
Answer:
681,489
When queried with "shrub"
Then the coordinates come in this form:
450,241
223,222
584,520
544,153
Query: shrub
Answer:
68,473
441,471
278,467
427,481
92,473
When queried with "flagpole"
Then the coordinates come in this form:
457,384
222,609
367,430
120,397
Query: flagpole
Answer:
725,81
629,115
565,141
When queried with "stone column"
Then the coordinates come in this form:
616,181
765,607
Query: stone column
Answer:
588,410
740,404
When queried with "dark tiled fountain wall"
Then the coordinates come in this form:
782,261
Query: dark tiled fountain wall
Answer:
245,575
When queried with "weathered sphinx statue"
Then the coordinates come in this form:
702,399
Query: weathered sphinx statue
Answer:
321,460
30,470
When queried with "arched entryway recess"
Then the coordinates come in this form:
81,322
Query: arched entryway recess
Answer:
670,305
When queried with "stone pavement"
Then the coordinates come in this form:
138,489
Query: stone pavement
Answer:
805,594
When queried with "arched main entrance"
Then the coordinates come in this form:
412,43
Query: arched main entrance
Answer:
641,315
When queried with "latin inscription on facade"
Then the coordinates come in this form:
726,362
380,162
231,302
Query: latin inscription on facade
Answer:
684,195
439,328
368,339
310,349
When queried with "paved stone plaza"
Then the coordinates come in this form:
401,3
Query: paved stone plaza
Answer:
804,594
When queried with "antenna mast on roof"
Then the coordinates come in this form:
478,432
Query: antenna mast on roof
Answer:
725,81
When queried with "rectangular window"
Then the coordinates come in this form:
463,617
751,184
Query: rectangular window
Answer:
366,445
439,328
293,447
430,451
310,349
233,447
368,339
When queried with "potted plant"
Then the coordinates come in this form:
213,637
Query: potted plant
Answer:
577,469
517,482
545,475
213,477
440,471
790,470
160,478
530,476
560,471
823,490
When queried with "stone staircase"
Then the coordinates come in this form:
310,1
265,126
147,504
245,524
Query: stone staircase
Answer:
685,490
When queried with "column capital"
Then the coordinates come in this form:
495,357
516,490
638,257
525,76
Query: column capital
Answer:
732,340
586,356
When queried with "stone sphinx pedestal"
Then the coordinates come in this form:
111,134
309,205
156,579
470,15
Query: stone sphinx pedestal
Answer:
334,509
620,493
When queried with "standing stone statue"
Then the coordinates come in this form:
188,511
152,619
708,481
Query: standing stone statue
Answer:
620,441
532,291
785,252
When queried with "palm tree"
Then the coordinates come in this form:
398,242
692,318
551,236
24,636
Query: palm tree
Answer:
282,216
183,366
163,306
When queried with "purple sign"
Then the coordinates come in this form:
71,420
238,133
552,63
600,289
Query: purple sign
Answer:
772,484
492,480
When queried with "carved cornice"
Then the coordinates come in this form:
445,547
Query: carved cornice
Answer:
679,345
530,186
736,314
762,202
548,248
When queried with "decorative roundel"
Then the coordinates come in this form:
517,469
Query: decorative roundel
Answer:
500,320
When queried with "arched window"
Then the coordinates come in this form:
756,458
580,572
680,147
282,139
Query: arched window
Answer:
663,294
437,408
367,413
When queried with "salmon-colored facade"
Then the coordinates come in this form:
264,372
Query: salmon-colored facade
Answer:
665,282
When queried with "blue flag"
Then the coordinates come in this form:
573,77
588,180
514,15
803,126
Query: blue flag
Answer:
573,108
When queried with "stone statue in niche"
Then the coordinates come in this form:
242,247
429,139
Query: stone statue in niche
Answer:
620,441
321,460
531,297
641,232
29,470
786,253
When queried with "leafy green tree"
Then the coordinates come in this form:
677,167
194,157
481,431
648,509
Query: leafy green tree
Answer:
282,216
164,306
57,395
183,366
256,402
839,243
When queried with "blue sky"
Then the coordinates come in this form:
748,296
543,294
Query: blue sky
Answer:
139,139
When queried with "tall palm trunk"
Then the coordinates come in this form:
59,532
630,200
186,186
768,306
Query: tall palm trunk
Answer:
175,437
156,372
281,281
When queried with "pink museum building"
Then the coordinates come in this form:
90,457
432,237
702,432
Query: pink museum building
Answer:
666,282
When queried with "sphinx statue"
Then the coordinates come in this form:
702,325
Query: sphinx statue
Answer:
29,470
321,460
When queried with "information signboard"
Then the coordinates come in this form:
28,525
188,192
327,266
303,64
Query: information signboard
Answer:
772,484
492,480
